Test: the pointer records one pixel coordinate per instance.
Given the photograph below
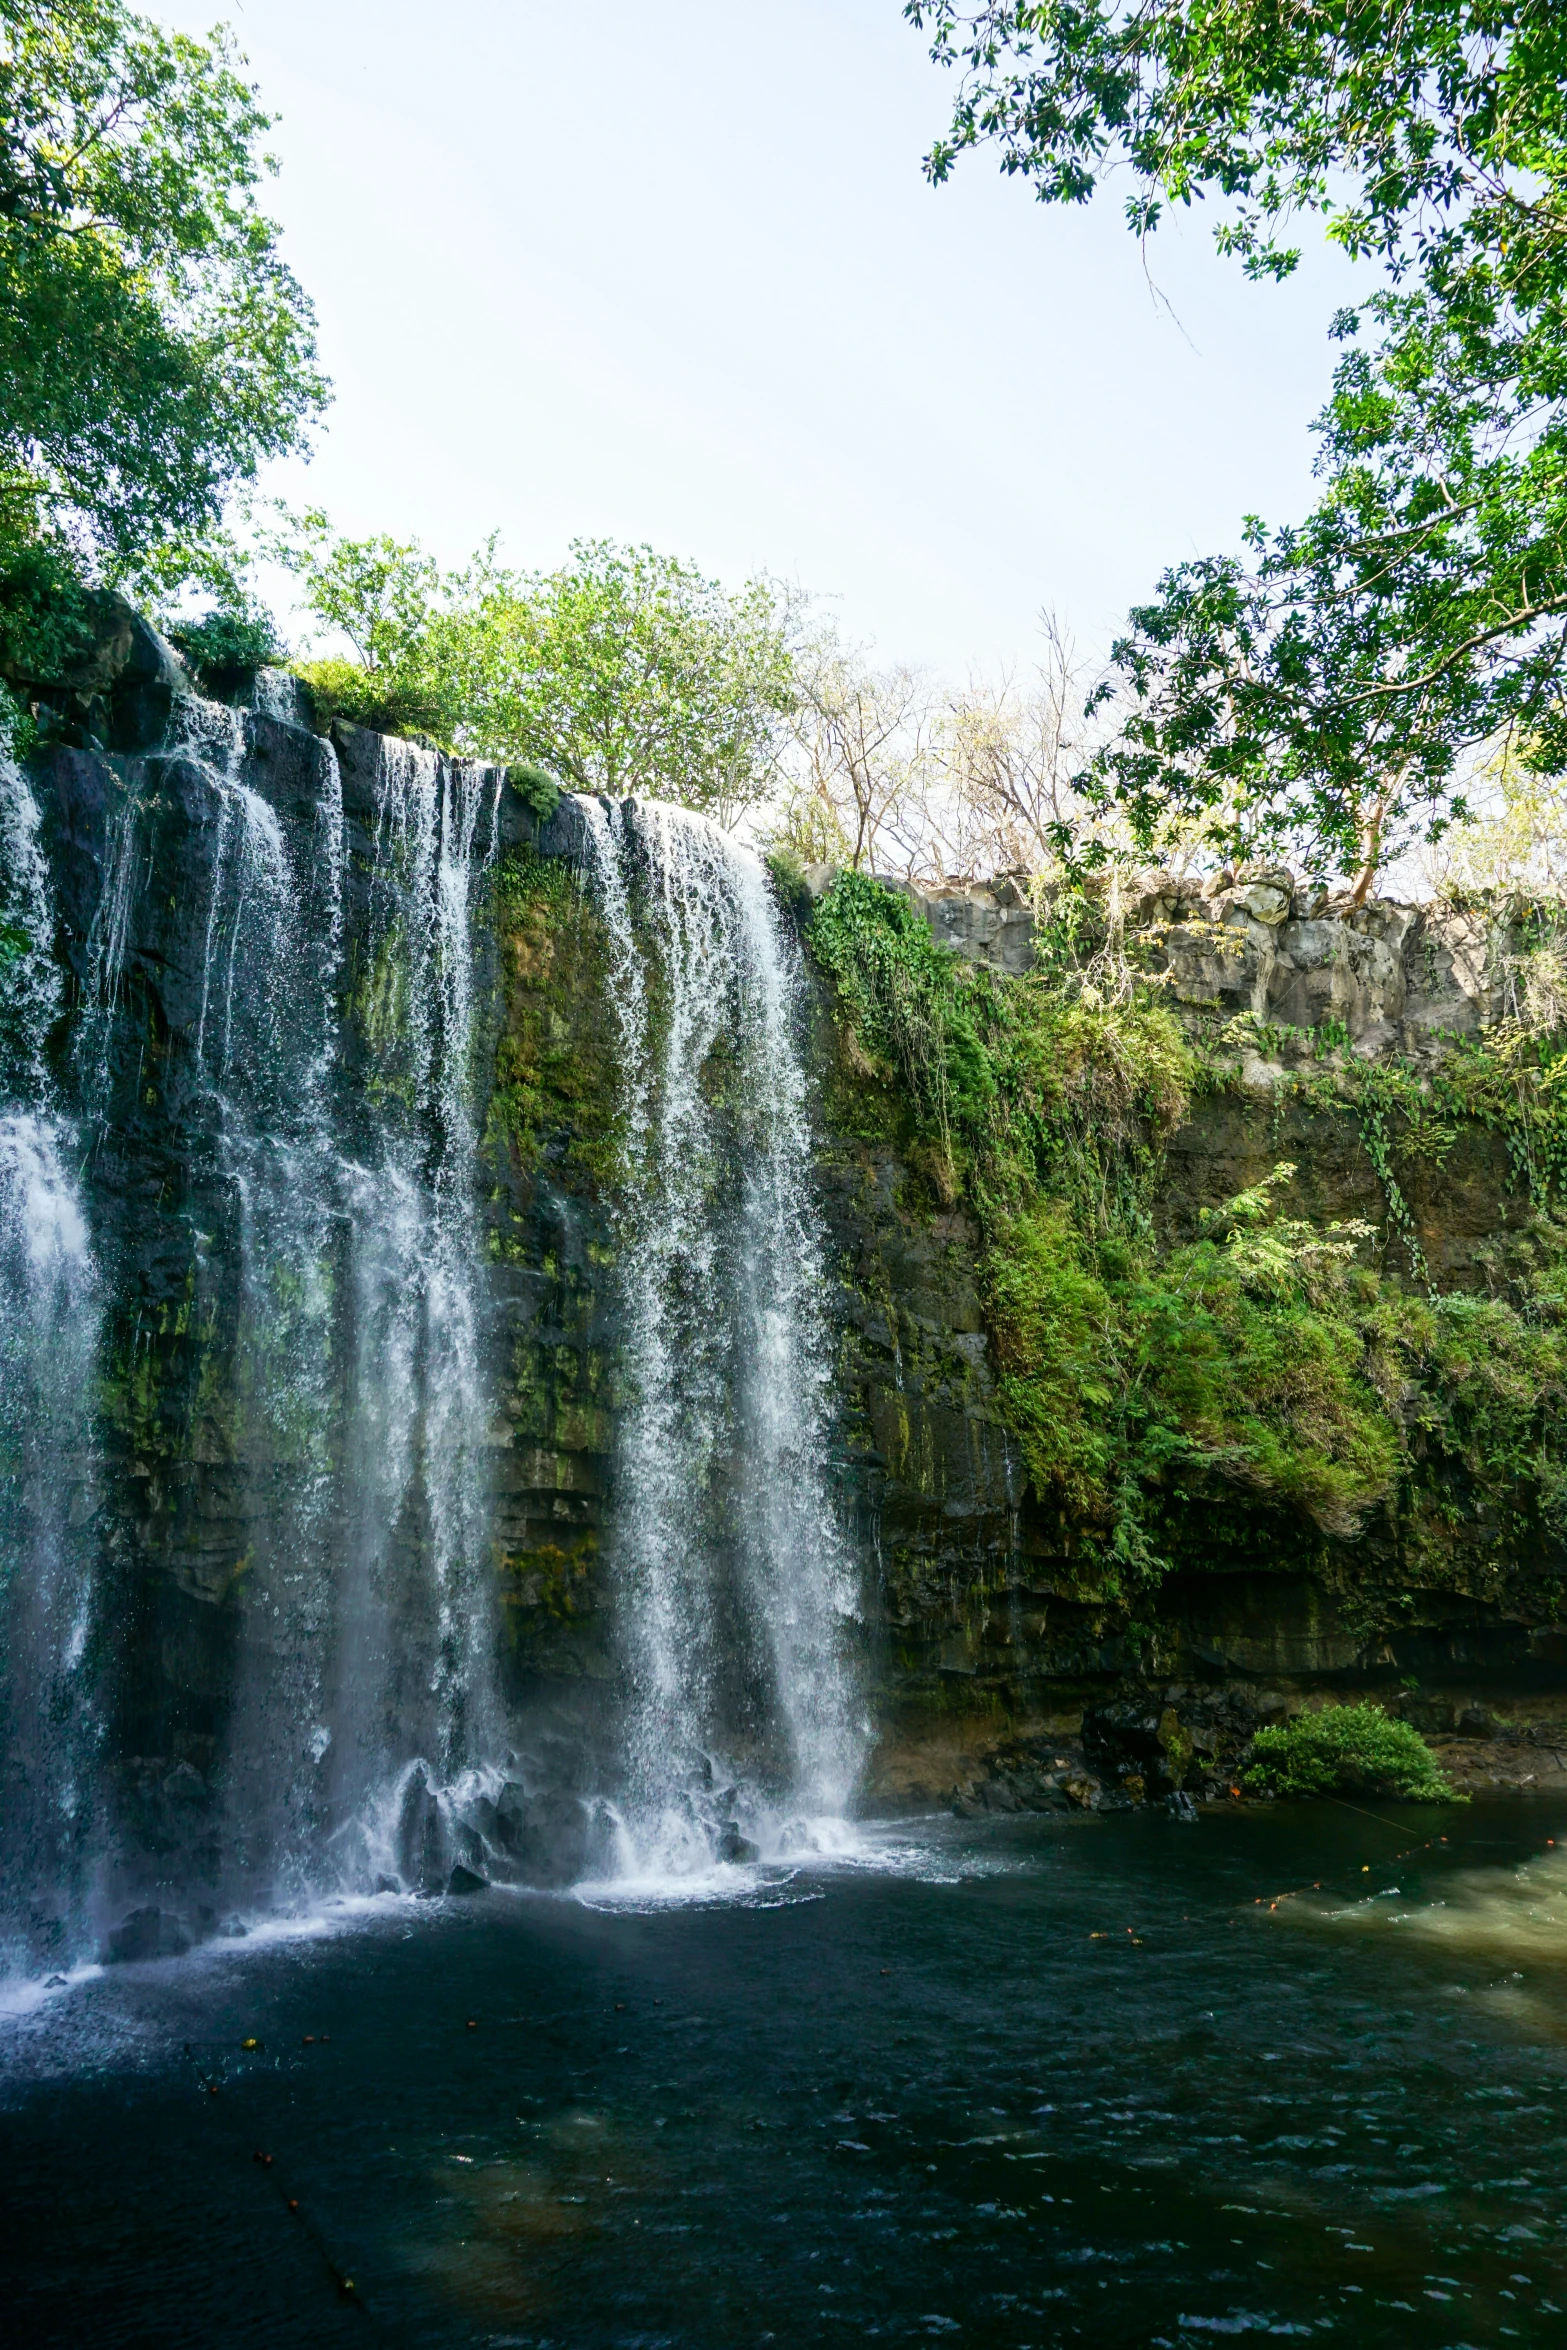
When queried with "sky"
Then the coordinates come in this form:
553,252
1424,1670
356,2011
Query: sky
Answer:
587,268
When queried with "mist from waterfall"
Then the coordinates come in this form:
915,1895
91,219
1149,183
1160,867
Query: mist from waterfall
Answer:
734,1578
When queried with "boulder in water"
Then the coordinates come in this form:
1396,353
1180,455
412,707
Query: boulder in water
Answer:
733,1846
545,1835
423,1855
464,1880
146,1933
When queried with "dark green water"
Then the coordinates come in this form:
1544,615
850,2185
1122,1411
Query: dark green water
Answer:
894,2104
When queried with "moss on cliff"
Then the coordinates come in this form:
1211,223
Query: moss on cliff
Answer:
555,1086
1260,1389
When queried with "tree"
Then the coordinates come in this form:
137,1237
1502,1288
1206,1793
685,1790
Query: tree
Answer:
890,772
1514,840
1422,608
623,672
409,628
1423,133
154,347
1011,754
859,764
630,673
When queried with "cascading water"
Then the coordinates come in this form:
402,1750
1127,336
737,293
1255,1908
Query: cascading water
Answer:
369,1639
48,1336
737,1591
419,1410
251,1384
274,1273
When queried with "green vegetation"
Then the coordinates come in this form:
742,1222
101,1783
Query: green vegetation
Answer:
555,1068
1349,1749
154,349
624,672
226,643
1326,689
1259,1387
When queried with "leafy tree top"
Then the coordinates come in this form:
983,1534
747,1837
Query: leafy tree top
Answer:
154,346
1402,123
623,671
1327,689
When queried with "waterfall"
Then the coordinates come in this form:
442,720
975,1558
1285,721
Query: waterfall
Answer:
369,1635
48,1336
415,1687
735,1581
265,1046
274,1270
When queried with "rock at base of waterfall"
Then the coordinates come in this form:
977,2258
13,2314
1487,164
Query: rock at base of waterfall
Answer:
423,1855
464,1880
544,1835
146,1933
732,1846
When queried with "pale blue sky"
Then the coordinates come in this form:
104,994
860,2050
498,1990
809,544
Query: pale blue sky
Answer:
588,267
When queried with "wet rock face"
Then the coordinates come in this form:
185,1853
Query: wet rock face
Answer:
975,1632
120,692
146,1934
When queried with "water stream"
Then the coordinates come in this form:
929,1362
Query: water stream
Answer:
49,1303
736,1589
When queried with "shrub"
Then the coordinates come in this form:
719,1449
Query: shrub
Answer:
537,789
46,608
226,644
366,697
1355,1748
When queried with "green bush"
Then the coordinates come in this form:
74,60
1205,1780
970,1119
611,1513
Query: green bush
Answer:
225,644
386,702
537,789
1355,1749
46,610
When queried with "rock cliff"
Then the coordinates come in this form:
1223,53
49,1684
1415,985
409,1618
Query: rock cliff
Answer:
983,1649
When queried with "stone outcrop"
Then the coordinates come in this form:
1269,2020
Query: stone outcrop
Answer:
1392,978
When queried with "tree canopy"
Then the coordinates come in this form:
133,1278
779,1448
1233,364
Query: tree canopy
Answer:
154,346
623,671
1333,683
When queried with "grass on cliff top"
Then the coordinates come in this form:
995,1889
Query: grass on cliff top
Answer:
1350,1750
1256,1394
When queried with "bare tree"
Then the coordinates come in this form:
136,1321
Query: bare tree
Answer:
888,772
1010,753
861,741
